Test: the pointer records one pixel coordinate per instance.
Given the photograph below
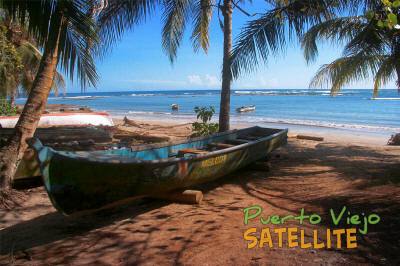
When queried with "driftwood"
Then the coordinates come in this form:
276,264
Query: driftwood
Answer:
186,196
128,122
310,138
394,140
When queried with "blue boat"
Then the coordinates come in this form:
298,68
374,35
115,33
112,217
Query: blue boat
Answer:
80,181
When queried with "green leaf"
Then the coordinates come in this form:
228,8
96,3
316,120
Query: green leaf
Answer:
370,14
380,24
396,4
392,18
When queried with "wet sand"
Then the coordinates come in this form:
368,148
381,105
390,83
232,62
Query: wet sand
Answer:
313,175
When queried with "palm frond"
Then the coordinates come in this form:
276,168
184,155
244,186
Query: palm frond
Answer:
118,17
385,73
369,40
346,70
58,84
175,16
78,31
271,33
338,30
202,16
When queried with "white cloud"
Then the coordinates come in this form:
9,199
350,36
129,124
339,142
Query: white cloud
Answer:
211,81
195,80
205,81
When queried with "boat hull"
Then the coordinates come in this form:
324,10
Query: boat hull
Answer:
64,119
76,183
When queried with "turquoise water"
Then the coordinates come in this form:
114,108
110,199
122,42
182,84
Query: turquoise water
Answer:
352,109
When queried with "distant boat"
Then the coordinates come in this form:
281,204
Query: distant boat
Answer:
249,108
64,119
387,99
175,107
80,181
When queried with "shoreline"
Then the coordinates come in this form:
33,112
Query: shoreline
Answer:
330,134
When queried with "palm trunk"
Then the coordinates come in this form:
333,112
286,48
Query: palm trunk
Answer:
226,69
12,98
30,116
398,78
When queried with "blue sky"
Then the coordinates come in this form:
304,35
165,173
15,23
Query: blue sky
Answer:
137,62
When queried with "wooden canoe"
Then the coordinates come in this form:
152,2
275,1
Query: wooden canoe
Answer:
79,181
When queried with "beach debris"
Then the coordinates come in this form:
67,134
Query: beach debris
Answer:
127,137
175,107
129,122
306,137
186,196
394,140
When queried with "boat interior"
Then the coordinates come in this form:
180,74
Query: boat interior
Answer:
196,146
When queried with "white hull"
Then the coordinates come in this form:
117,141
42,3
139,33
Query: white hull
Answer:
64,119
246,109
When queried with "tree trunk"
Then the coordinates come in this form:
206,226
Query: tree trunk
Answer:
226,68
398,78
12,153
12,97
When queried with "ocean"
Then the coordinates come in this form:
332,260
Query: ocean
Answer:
350,109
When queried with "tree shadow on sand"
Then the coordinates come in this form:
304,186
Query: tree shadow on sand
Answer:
362,179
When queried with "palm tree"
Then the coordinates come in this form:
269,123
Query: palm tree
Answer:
64,30
370,50
27,59
176,15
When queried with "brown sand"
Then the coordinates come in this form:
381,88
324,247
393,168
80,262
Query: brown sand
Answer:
316,176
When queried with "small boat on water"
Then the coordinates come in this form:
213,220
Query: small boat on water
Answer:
249,108
80,181
64,119
175,107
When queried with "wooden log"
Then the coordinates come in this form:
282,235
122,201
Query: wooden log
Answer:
310,138
186,196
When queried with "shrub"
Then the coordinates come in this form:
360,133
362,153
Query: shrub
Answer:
204,127
6,108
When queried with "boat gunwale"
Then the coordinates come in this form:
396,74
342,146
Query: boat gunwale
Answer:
196,157
61,114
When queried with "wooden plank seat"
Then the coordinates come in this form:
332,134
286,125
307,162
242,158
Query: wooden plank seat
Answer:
237,141
181,153
220,145
248,138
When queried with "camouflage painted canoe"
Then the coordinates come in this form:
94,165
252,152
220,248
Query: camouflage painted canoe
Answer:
79,181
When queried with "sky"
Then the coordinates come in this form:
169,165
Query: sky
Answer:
137,62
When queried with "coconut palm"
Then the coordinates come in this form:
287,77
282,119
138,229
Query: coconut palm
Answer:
176,15
370,50
64,29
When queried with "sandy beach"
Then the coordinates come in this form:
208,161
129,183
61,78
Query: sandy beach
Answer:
316,176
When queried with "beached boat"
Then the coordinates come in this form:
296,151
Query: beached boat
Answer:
79,181
64,119
243,109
